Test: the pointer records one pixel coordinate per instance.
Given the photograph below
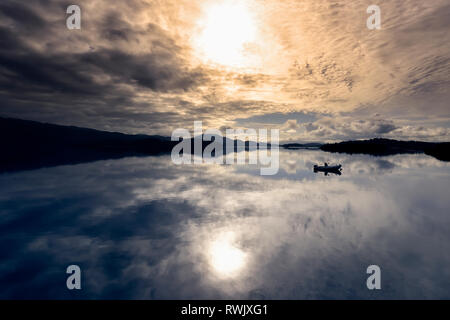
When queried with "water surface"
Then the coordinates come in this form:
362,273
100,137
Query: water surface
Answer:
144,228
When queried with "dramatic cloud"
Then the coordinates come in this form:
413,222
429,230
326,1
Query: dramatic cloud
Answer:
94,76
345,127
146,66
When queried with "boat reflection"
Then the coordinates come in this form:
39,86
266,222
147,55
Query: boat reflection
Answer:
336,169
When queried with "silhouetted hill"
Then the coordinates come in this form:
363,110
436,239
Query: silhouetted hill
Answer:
384,147
30,145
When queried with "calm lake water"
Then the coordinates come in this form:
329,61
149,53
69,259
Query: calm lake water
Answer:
144,228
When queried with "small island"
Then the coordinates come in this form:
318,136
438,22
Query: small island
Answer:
386,147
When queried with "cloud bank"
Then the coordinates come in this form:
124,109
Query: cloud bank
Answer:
134,67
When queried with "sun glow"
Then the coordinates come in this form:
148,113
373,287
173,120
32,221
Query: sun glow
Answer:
226,258
227,33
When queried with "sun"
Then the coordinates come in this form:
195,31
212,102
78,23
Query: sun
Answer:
226,32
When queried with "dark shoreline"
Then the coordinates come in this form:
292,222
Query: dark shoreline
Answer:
28,145
387,147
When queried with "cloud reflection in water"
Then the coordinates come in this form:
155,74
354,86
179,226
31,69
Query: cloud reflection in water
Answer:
145,228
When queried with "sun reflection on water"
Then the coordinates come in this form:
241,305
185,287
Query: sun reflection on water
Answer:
225,257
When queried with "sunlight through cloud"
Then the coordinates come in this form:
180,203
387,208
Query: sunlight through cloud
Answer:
227,29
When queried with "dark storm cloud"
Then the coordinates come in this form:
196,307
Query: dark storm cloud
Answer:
28,72
37,71
159,71
28,19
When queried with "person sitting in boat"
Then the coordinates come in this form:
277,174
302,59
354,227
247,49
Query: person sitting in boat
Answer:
326,164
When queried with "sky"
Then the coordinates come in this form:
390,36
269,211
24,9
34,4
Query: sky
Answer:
310,68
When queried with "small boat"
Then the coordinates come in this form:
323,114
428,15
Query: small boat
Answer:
326,168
